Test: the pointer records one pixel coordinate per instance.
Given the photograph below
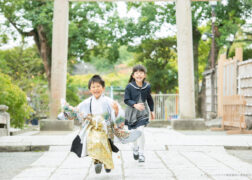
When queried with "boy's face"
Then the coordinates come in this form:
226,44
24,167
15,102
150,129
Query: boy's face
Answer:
139,76
96,89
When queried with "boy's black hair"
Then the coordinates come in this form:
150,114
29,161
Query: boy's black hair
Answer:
136,68
96,78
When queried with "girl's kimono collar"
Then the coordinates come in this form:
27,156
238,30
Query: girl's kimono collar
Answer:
133,84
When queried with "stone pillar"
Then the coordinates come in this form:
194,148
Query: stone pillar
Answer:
59,67
185,59
185,67
4,121
59,55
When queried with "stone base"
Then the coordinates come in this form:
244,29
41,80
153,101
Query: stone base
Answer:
188,124
56,125
4,132
159,123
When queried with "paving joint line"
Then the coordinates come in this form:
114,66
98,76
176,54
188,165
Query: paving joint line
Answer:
208,175
88,170
167,167
122,166
228,165
58,166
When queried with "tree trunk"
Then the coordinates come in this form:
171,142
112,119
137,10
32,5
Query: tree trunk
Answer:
44,50
202,93
196,39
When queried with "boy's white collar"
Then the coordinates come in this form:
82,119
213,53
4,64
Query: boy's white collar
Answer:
94,98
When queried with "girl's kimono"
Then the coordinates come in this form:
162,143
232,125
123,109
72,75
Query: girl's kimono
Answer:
98,120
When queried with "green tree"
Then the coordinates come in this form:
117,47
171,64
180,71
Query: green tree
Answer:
12,96
230,18
94,28
159,57
22,64
104,65
72,92
149,23
25,68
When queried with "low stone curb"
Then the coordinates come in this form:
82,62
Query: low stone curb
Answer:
167,147
24,148
14,133
238,147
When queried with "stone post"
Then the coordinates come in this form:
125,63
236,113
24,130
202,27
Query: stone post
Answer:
59,55
185,59
185,66
59,66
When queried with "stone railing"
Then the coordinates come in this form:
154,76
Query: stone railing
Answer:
4,121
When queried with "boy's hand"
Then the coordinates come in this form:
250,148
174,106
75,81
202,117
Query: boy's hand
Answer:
139,106
115,107
152,115
67,116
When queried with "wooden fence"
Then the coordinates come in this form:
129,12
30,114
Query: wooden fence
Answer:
227,80
232,105
233,117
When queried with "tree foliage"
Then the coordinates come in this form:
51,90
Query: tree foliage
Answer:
12,96
94,28
111,79
25,68
22,63
229,20
159,57
72,96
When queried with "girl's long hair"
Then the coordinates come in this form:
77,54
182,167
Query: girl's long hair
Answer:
136,68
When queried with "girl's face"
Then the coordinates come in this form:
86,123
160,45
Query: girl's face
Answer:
96,89
139,76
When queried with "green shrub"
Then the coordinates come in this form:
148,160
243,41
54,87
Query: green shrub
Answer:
12,96
72,92
111,79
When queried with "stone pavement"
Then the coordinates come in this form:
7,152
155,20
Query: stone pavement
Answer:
169,155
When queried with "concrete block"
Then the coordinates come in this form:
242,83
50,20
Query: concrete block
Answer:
56,125
3,132
188,124
21,148
159,123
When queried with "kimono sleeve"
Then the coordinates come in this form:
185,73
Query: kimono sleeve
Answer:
112,111
84,107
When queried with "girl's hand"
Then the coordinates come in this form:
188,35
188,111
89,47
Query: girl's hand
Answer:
139,106
152,115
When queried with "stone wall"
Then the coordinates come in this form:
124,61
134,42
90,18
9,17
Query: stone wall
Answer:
245,88
211,94
243,79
